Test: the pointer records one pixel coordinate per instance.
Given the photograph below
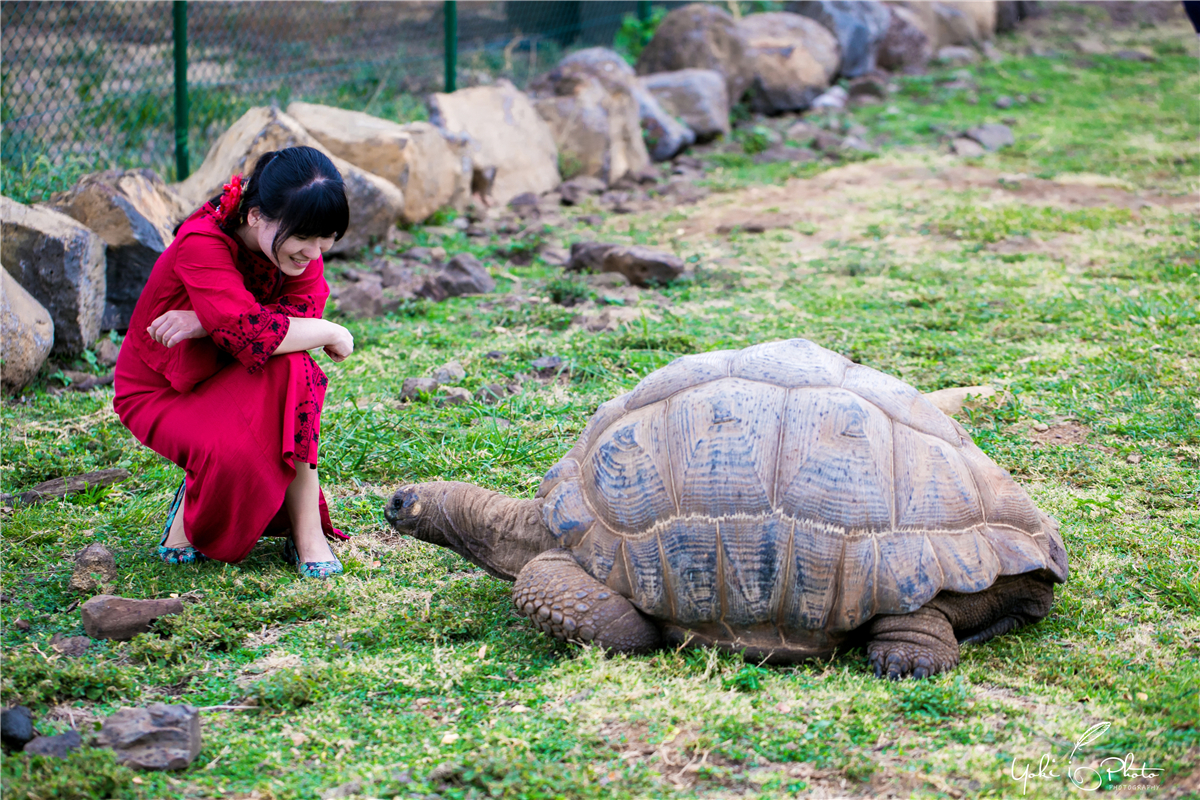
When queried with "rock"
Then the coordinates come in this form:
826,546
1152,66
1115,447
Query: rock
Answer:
1134,55
454,396
158,737
662,134
55,746
967,148
574,190
525,205
950,401
794,58
26,334
94,567
858,26
413,388
491,394
109,617
22,625
588,256
643,266
450,372
375,202
868,87
834,99
700,36
462,275
955,56
992,136
61,264
1003,102
504,132
106,352
696,96
906,47
16,727
827,142
363,299
802,133
431,170
70,646
981,12
135,213
547,365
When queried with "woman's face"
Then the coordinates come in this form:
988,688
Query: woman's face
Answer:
295,252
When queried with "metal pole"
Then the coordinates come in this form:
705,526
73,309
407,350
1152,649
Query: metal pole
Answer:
643,11
450,14
181,90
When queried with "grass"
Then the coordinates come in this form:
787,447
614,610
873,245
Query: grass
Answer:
411,676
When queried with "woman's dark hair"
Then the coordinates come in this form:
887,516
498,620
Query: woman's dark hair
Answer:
299,188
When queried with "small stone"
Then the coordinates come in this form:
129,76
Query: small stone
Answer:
588,256
70,646
454,396
547,363
107,352
802,133
1003,102
834,98
22,625
491,394
109,617
1134,458
575,190
524,205
413,388
16,727
967,148
422,254
55,746
1041,427
494,355
1133,55
450,372
438,254
827,142
1036,98
158,737
463,275
362,299
94,567
992,136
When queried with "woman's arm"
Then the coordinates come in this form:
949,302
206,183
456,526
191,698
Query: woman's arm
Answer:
306,334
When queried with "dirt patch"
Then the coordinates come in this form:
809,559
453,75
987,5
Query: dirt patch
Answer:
1062,433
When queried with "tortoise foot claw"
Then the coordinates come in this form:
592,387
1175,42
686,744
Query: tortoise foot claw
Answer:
917,645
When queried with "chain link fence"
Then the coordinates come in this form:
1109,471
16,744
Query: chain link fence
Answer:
91,85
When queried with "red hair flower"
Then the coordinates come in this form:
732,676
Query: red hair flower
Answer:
231,200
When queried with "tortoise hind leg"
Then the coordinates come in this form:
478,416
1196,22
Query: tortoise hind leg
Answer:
926,641
569,604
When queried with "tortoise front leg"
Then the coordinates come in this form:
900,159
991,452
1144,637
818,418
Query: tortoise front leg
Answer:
920,644
569,604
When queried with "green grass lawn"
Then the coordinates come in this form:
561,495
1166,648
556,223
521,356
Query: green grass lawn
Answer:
1064,271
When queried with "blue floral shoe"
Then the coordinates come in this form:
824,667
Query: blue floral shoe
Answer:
177,555
310,569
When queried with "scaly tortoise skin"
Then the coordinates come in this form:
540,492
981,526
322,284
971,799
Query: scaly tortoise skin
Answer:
779,501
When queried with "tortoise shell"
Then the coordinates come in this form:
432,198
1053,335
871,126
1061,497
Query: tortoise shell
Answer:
783,487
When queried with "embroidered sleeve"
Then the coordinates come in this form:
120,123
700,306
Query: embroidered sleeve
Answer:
245,328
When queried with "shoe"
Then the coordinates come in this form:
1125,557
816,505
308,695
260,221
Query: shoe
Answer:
177,555
310,569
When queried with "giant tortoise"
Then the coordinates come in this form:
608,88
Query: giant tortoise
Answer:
779,501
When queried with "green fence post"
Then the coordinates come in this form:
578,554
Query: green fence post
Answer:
181,90
643,11
451,18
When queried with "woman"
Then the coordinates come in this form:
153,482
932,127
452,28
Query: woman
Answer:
214,373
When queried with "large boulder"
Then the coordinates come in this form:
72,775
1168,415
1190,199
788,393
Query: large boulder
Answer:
859,26
954,24
376,204
906,47
26,334
794,58
135,213
504,134
700,36
60,263
596,124
432,170
696,96
663,134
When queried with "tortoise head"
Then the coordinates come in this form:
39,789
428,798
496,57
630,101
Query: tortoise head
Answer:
495,532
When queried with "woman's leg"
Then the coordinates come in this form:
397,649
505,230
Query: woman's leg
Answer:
301,504
177,538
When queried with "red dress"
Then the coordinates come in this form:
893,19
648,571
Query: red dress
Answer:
235,417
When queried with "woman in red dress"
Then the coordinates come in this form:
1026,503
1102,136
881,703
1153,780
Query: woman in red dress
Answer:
214,373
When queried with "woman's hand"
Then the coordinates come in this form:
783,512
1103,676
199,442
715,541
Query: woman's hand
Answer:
342,345
176,326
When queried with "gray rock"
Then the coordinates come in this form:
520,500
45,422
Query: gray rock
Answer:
992,136
107,352
110,617
158,737
859,25
70,646
491,394
454,396
16,727
643,266
450,372
362,299
802,133
463,274
967,148
61,264
1003,102
413,388
135,213
700,36
834,99
55,746
547,364
26,334
588,256
696,96
94,567
575,190
955,55
906,46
